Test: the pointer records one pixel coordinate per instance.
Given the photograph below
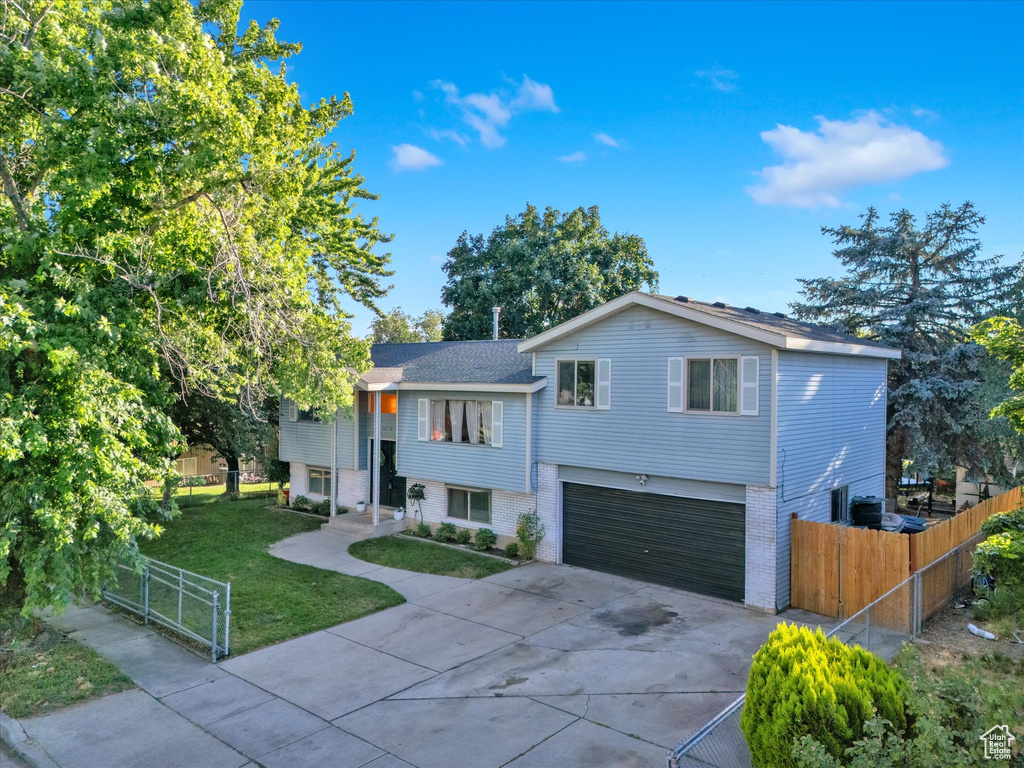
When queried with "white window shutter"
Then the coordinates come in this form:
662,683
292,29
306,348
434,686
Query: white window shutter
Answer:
423,419
497,413
749,377
293,411
604,384
675,384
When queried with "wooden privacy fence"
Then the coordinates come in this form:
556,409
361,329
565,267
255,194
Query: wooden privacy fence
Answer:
837,570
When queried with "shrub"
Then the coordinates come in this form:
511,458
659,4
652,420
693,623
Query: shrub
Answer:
1001,556
322,508
464,536
445,532
484,540
301,503
1004,522
512,550
804,684
423,531
529,531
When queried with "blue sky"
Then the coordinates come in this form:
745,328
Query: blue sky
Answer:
723,134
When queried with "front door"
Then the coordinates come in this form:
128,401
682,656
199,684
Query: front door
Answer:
392,486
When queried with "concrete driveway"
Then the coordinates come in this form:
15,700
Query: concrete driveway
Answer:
538,666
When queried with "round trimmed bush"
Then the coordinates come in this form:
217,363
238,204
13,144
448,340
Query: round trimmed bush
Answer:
802,683
512,550
445,532
464,536
485,539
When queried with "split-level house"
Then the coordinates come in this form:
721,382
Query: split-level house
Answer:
660,438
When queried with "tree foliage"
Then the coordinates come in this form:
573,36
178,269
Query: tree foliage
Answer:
397,327
920,289
174,224
1003,337
542,269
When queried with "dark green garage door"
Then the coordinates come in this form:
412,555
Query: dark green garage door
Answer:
686,543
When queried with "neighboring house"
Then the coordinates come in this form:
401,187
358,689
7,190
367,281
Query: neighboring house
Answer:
972,492
660,438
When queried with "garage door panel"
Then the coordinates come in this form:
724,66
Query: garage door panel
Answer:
687,543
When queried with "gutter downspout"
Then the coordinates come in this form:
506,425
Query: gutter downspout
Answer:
494,324
376,459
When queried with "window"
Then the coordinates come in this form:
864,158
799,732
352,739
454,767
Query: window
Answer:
308,415
186,467
714,385
474,506
476,422
584,384
840,505
318,481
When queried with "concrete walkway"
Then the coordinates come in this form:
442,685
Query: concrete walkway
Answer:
538,666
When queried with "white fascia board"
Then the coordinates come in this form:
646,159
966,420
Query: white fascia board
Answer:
662,305
434,386
842,348
382,386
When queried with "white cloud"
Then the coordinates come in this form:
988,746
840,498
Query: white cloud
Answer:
819,165
575,157
721,79
409,157
925,114
487,113
604,138
534,97
895,197
459,138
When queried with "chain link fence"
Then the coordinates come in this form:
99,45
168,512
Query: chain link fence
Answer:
882,627
201,489
194,606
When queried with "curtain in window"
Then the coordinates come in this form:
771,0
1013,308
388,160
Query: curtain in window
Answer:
437,419
457,410
725,381
485,420
473,421
699,390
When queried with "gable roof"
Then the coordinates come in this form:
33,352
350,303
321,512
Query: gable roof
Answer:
489,363
776,330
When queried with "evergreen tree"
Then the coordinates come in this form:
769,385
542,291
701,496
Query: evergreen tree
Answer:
920,289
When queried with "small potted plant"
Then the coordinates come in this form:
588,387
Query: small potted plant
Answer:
399,514
361,505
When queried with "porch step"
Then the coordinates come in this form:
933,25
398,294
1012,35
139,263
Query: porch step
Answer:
361,526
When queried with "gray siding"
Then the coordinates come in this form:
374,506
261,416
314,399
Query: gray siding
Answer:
638,434
362,404
310,443
479,466
831,432
665,486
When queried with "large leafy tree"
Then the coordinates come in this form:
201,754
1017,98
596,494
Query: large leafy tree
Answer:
174,225
920,288
1004,339
542,269
397,326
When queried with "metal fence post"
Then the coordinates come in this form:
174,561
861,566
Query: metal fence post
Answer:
181,588
227,619
214,650
917,605
145,592
867,625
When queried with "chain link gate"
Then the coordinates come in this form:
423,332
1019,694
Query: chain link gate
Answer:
191,605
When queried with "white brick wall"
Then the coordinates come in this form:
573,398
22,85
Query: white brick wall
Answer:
550,547
505,509
760,583
352,485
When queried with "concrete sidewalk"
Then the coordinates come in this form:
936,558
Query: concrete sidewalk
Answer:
538,666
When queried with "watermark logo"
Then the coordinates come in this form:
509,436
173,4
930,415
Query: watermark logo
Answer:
998,740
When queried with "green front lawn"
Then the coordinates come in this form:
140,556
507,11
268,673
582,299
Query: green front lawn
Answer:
423,557
271,599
